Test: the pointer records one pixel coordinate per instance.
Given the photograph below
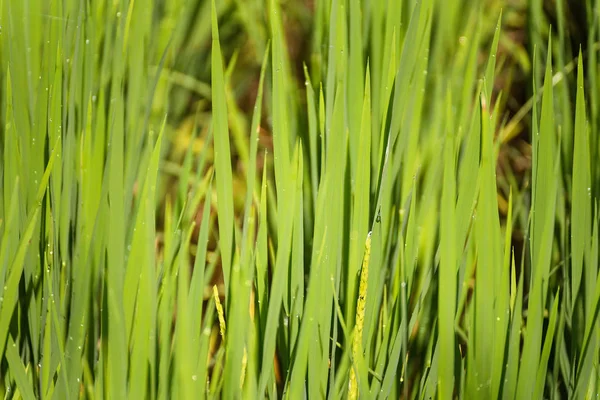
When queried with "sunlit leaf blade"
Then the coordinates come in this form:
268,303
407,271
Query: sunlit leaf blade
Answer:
447,277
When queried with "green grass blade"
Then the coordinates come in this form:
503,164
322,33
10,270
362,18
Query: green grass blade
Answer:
581,190
548,341
222,154
448,264
19,371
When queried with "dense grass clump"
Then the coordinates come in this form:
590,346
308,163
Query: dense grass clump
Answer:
322,199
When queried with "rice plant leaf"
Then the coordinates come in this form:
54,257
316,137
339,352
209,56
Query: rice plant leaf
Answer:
361,202
448,270
20,374
548,341
544,182
584,368
223,173
490,68
285,180
356,85
489,265
296,273
509,386
262,257
581,190
11,285
543,210
313,140
142,254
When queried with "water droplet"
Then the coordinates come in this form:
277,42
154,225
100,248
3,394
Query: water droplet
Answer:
194,378
87,41
119,14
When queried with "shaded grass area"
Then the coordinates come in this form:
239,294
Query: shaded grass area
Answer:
335,199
